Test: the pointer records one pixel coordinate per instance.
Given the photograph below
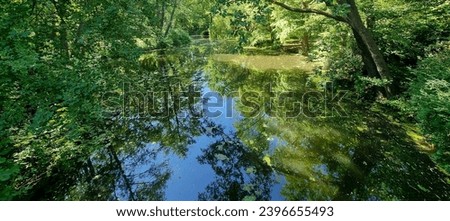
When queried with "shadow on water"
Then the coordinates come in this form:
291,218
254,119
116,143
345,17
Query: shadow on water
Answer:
327,150
185,126
159,136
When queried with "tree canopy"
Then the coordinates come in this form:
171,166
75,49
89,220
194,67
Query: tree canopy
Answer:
92,90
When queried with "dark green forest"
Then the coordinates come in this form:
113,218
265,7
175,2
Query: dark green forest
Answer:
65,66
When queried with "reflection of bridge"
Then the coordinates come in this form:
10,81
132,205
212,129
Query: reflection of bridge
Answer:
200,39
291,47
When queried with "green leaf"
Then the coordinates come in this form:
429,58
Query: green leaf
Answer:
5,175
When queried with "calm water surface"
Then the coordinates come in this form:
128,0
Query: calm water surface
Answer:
190,127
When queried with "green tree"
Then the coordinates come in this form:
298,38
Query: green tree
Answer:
347,12
430,93
58,58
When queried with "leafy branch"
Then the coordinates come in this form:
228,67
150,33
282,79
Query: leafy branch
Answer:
311,11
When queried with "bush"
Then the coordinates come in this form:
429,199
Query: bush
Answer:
430,98
179,37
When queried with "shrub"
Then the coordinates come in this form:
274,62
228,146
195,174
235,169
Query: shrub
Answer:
430,98
179,37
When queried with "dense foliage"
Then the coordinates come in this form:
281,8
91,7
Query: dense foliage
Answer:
57,60
59,57
412,36
430,96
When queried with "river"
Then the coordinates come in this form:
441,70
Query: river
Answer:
197,125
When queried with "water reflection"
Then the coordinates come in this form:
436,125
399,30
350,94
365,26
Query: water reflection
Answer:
147,121
164,126
359,155
241,174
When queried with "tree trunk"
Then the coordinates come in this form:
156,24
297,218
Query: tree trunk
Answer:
305,44
169,25
162,16
60,8
372,56
369,64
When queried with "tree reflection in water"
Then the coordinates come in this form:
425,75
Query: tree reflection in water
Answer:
241,174
147,119
359,155
322,152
